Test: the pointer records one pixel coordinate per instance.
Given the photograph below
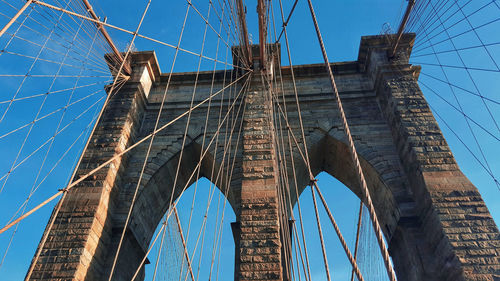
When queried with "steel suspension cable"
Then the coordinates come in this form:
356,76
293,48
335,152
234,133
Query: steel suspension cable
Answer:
444,21
55,92
458,49
174,203
131,32
197,168
29,71
485,167
71,185
34,186
220,176
58,162
62,192
460,34
460,109
300,122
354,154
216,239
229,178
464,144
339,234
115,259
467,69
460,88
356,243
95,60
283,190
225,191
68,29
206,119
31,124
323,250
23,206
38,119
186,254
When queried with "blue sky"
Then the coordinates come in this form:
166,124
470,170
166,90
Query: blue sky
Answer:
342,24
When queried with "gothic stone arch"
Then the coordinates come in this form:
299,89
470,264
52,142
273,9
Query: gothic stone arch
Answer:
436,224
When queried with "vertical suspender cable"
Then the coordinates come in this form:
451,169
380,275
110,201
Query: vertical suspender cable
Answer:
354,154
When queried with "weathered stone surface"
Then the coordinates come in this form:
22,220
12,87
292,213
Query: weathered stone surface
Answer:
434,219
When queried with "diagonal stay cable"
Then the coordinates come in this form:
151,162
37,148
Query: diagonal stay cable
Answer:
219,176
49,139
320,232
57,131
116,85
64,191
488,169
458,67
460,34
61,40
174,203
38,119
129,213
29,16
339,234
56,91
67,28
460,88
467,71
354,155
459,110
32,124
284,191
24,205
225,191
458,49
71,185
285,114
205,129
419,44
477,35
468,68
55,165
186,254
55,62
466,146
30,69
130,32
285,23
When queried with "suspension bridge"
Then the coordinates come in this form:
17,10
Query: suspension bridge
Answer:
198,140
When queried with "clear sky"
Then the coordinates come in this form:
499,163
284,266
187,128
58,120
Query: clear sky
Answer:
342,23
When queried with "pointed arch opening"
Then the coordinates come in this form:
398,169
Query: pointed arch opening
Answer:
345,206
205,249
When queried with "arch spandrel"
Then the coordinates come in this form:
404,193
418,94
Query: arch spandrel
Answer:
331,155
413,179
155,195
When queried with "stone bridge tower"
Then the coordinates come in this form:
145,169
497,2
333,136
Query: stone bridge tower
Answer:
434,220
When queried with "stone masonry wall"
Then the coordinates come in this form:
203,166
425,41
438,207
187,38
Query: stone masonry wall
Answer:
459,239
259,229
434,220
77,245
